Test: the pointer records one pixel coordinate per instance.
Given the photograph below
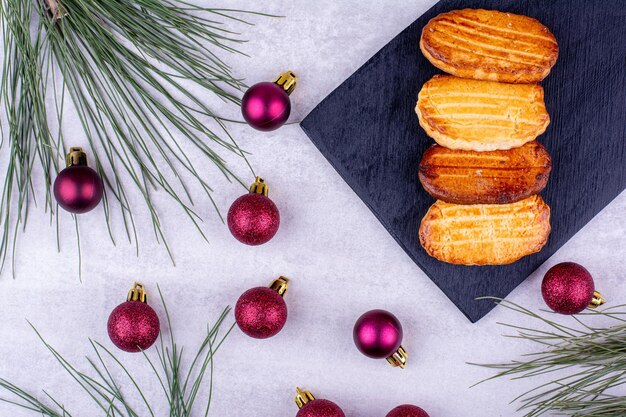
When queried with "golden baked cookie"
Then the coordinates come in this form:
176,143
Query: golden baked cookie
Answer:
481,115
494,177
490,45
485,234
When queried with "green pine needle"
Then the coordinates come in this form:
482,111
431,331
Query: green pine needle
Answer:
588,364
180,386
134,71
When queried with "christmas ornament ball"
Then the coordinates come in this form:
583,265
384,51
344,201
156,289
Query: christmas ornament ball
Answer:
568,288
253,218
311,407
266,106
378,334
262,312
134,326
407,410
78,188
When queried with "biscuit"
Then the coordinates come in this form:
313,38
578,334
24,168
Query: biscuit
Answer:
481,115
490,45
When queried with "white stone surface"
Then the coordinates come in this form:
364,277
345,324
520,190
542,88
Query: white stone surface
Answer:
341,260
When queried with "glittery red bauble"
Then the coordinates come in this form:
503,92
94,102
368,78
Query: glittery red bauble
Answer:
407,411
253,219
567,288
320,408
261,312
78,189
266,106
378,334
133,326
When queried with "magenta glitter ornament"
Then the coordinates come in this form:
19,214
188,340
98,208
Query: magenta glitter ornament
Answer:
568,288
311,407
407,410
77,188
262,312
134,326
266,106
378,334
253,218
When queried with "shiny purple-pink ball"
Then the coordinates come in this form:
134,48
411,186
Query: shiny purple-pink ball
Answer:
266,106
567,288
261,312
378,334
320,408
407,410
253,219
78,189
133,326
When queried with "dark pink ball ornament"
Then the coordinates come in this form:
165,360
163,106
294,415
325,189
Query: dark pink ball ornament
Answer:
134,326
311,407
77,188
266,106
568,288
253,218
378,334
262,312
407,411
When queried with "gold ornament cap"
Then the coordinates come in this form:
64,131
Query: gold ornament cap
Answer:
287,80
399,358
76,156
280,285
597,300
259,187
303,397
138,293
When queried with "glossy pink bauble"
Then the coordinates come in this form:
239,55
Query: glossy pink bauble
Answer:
133,326
320,408
78,189
261,312
567,288
377,334
407,411
253,219
266,106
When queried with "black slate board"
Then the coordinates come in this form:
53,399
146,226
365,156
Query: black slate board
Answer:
368,131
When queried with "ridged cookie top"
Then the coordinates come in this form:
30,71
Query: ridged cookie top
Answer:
477,115
490,45
485,234
495,177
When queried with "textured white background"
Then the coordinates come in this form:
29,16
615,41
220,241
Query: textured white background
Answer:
340,258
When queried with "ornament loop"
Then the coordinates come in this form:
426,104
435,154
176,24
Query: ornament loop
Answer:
138,293
287,80
303,397
259,187
280,285
76,156
597,300
399,358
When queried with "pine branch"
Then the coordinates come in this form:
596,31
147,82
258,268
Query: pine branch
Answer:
588,364
180,387
135,71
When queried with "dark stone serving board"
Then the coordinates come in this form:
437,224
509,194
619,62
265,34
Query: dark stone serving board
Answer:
368,131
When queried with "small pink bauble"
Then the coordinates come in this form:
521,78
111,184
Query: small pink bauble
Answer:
134,326
312,407
262,312
378,334
78,188
266,106
568,288
253,218
407,410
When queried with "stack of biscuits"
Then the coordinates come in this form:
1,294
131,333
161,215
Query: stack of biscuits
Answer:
486,169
